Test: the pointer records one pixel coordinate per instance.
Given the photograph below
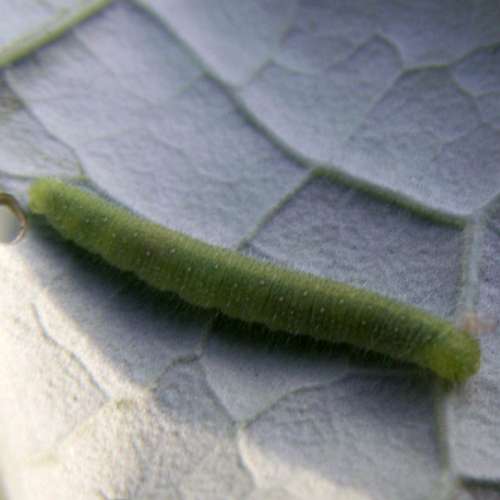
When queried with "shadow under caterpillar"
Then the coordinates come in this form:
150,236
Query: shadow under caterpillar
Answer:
254,291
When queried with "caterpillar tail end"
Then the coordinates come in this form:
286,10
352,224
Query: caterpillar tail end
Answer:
458,360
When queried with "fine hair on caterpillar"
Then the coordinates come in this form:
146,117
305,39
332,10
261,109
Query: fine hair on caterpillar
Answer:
251,290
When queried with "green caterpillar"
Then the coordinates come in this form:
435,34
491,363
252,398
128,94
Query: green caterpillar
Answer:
254,291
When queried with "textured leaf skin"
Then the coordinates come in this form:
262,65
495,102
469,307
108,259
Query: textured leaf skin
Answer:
50,32
245,288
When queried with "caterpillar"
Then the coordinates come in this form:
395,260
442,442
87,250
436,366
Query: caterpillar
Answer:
252,290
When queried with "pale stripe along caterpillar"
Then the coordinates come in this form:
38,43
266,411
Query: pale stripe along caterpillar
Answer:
251,290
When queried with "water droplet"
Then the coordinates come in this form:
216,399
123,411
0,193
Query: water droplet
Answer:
13,221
